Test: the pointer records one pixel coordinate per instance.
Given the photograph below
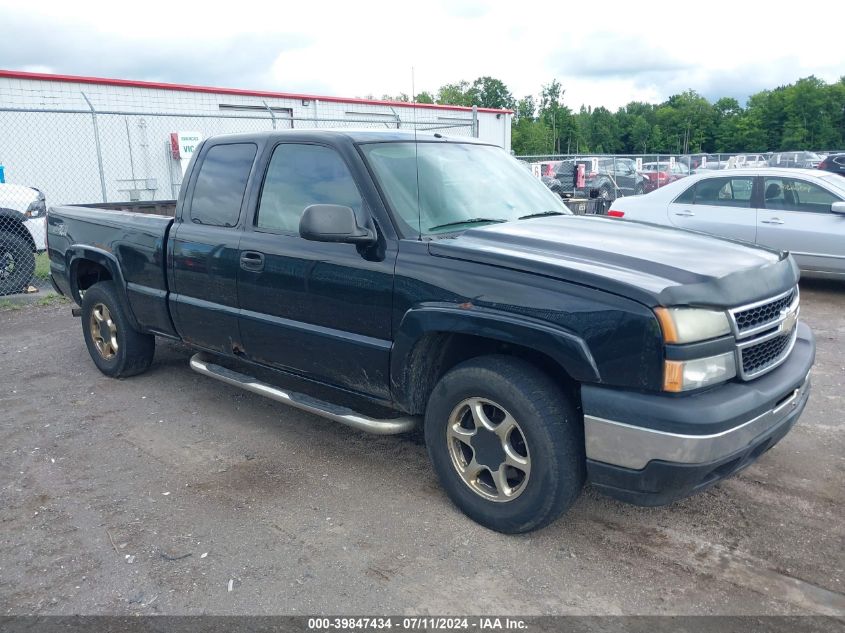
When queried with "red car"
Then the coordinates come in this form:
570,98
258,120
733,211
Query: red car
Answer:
662,173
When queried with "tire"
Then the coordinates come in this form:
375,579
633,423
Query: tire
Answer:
548,439
116,349
17,263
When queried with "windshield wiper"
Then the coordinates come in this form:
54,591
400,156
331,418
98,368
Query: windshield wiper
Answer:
540,214
470,221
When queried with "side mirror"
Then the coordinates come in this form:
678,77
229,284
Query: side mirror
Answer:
838,207
334,223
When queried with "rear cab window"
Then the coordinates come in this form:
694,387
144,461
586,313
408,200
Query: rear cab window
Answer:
221,183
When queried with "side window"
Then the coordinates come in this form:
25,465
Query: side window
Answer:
790,194
299,176
687,197
724,192
221,183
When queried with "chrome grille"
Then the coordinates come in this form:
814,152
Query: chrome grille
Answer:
760,315
765,333
758,357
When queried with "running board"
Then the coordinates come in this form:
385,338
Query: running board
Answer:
202,364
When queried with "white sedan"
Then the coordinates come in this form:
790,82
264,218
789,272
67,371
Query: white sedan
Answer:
796,210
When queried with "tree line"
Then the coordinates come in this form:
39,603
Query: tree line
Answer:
806,114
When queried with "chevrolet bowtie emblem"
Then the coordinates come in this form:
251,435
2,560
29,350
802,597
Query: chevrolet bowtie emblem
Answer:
790,318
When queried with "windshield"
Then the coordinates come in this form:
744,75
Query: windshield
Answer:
461,185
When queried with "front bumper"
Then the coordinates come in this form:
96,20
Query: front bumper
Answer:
651,449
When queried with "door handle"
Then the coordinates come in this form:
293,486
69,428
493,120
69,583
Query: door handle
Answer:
252,260
772,221
685,214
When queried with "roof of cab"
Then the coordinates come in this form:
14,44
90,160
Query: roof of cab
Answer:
355,135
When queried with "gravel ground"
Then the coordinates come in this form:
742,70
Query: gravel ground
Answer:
170,493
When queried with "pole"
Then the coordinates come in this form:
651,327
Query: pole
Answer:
97,145
272,116
475,121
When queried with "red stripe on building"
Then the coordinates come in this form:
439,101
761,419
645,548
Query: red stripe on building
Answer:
155,85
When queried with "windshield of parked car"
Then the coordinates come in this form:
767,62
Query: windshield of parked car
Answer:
461,185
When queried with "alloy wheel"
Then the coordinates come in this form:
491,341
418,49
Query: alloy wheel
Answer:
488,449
103,331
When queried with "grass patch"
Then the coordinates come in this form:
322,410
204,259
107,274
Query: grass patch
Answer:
51,300
42,265
47,300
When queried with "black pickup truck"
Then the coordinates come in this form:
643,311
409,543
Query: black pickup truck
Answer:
399,281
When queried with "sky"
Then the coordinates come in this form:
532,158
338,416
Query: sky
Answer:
603,54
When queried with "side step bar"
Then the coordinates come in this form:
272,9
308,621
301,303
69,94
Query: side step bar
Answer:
203,364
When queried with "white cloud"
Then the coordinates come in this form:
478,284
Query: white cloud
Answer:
605,55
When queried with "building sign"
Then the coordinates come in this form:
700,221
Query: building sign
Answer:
671,162
182,146
639,163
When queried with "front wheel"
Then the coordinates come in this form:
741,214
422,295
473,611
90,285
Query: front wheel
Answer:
116,349
506,443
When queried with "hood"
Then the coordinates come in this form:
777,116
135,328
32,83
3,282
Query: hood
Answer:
16,197
652,264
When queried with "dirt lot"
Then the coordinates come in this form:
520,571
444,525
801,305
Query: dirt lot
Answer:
171,493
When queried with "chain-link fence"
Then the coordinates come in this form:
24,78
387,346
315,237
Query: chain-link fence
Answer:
86,155
611,176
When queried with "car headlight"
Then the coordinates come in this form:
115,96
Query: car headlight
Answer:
36,209
689,325
682,375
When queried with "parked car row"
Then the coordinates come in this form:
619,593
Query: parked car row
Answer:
610,178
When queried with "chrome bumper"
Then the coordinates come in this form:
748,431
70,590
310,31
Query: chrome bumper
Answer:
634,447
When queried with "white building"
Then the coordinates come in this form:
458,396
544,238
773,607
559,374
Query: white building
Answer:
86,139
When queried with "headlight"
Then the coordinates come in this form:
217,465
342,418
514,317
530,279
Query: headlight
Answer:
681,375
36,209
688,325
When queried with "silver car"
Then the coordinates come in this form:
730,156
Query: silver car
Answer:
797,210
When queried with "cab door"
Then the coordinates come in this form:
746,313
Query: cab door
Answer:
796,217
721,206
204,248
315,308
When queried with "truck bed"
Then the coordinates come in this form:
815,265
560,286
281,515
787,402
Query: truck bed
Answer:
151,207
127,239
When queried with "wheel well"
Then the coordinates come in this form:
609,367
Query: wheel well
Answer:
88,273
437,353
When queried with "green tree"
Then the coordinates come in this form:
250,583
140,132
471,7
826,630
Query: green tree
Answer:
401,97
556,116
526,109
455,94
488,92
425,97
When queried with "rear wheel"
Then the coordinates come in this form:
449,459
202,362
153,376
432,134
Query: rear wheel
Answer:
506,443
116,349
17,263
